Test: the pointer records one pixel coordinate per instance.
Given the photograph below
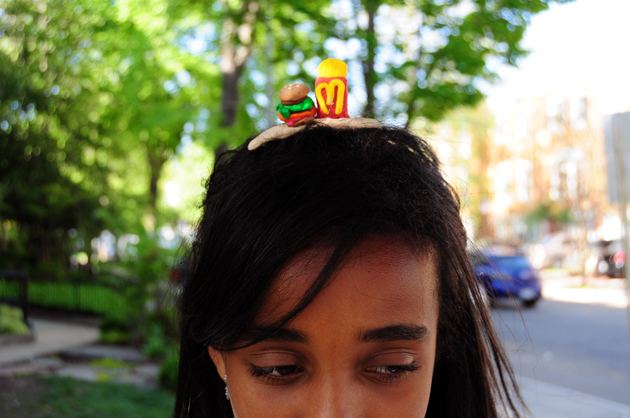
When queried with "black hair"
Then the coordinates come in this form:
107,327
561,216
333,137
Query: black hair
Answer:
333,186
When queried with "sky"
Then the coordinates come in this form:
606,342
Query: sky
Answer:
581,44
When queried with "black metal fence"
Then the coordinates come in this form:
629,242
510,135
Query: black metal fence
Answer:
86,296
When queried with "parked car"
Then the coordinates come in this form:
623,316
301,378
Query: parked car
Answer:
613,259
508,275
550,250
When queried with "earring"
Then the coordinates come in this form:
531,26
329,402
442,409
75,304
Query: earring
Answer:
227,391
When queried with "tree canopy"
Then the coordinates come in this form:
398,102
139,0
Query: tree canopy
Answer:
97,97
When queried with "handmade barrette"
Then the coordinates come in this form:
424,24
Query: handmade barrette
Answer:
297,110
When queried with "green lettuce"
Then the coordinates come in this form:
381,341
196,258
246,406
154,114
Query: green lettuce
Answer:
286,111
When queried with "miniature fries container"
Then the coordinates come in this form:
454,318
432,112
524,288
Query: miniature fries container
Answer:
331,89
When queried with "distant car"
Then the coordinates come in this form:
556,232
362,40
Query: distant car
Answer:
550,250
617,263
613,259
508,276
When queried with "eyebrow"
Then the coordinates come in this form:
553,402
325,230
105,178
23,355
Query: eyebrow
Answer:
286,335
391,333
399,332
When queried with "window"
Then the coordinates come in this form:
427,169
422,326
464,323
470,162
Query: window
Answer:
566,175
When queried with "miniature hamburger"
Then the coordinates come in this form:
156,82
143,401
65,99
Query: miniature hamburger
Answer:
295,107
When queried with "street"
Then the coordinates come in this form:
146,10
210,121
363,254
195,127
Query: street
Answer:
580,346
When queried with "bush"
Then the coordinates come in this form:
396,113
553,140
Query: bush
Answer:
115,337
108,363
12,321
169,370
156,345
115,327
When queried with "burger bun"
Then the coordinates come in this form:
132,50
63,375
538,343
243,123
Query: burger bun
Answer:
293,93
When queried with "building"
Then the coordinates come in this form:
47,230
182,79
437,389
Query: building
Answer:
530,165
547,166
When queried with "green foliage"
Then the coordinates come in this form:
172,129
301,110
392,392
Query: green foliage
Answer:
169,370
550,211
53,397
109,363
41,140
103,377
115,337
147,313
115,321
12,321
93,298
435,55
92,105
149,268
10,288
99,100
156,344
116,327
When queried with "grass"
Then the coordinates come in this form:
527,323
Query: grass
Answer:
55,397
108,363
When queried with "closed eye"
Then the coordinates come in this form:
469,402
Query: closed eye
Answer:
393,373
277,374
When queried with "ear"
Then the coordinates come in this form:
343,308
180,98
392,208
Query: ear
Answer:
218,360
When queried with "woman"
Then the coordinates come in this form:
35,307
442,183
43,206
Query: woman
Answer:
329,278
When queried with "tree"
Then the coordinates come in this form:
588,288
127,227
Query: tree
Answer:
257,47
48,179
91,107
430,56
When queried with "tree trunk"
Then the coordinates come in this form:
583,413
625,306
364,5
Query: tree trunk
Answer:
3,237
271,114
43,249
411,107
233,60
229,100
156,162
368,66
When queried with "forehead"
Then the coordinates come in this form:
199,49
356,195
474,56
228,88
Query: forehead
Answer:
383,278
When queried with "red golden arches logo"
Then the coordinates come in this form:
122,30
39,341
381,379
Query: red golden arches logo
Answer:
331,89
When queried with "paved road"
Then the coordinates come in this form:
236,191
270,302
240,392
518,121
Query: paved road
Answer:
579,346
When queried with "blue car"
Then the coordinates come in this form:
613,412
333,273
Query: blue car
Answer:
508,276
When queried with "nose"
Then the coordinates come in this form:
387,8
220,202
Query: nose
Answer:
335,398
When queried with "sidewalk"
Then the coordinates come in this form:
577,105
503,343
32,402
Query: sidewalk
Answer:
597,290
550,401
50,338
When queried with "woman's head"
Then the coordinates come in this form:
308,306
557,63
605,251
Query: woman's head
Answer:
335,236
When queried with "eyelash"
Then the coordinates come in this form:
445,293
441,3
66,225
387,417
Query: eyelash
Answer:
401,371
265,373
